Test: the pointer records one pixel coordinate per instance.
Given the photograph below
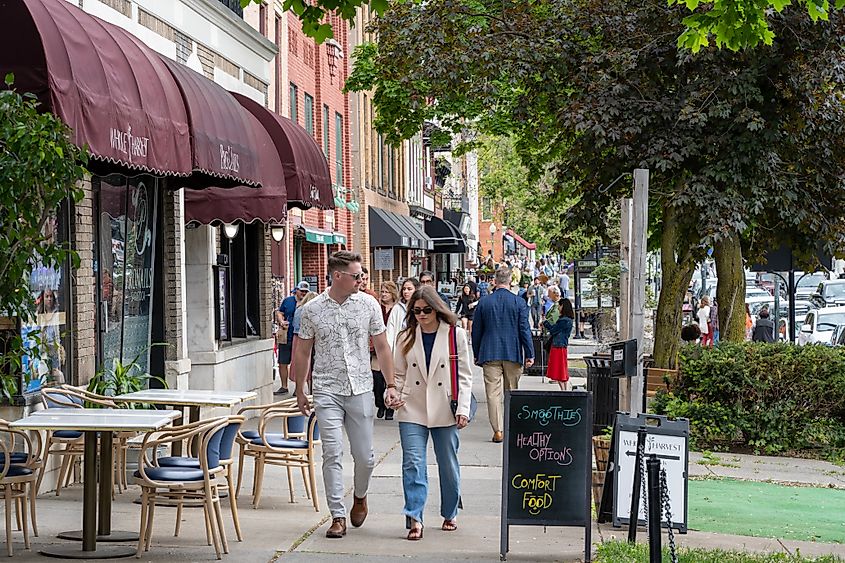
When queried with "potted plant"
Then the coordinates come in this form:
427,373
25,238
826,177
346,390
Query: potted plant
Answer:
120,378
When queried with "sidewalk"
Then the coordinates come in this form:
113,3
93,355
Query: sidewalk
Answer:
295,532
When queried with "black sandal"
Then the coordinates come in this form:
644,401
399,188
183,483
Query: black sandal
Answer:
449,525
414,533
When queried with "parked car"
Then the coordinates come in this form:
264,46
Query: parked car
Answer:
819,325
838,336
806,284
752,292
829,293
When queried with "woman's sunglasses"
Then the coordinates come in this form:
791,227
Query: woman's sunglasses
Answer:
424,310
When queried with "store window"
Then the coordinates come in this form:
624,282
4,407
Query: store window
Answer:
46,336
237,289
125,266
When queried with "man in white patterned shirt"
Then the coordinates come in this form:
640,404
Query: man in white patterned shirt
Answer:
338,325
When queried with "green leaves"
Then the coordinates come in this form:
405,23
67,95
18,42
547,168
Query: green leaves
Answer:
40,167
741,24
774,398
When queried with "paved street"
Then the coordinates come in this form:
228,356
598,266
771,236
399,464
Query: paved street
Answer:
295,532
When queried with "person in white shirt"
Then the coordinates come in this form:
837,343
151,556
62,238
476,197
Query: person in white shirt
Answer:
564,284
338,325
703,316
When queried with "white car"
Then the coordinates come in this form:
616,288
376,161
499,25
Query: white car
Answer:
755,292
819,325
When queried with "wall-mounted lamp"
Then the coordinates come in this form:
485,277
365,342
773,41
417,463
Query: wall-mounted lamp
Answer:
277,232
231,230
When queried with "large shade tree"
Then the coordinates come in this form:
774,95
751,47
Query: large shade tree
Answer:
743,147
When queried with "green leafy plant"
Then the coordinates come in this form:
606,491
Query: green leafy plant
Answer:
120,378
616,551
767,398
40,168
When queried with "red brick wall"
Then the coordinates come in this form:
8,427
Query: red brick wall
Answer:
308,68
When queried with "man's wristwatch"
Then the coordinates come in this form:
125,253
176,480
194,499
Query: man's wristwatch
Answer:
391,386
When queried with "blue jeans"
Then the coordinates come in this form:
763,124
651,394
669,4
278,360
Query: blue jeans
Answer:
414,439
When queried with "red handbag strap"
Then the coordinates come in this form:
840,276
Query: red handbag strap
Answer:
453,361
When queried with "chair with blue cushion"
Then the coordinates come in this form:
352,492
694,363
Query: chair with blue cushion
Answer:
27,455
121,439
227,445
245,436
65,444
164,485
17,480
292,448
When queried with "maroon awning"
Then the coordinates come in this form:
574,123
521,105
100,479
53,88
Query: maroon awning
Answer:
113,91
227,205
307,179
222,141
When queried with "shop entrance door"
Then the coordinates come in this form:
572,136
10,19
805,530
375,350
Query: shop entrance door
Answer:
124,267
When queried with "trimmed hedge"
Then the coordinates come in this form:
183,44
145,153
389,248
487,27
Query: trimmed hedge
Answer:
769,398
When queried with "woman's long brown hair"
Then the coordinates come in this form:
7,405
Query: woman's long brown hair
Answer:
444,315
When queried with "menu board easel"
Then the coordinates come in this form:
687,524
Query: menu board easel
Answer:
547,462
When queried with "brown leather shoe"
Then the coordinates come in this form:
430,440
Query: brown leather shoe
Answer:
337,529
359,511
498,436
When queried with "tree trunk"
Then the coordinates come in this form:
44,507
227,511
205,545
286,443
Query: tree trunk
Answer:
676,275
730,293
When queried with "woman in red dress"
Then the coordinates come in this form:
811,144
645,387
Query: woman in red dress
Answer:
558,368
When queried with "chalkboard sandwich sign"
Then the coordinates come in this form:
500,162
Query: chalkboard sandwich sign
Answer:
547,462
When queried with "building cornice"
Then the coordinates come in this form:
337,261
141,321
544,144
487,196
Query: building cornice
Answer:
222,17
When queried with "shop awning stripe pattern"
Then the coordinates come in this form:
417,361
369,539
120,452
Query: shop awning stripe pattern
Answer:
224,143
388,229
446,236
111,90
307,178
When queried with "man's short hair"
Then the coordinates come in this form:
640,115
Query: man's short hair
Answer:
503,276
428,273
365,270
339,261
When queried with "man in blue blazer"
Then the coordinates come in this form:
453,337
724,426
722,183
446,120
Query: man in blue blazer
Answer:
501,344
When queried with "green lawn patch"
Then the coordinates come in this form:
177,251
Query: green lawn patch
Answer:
623,552
751,508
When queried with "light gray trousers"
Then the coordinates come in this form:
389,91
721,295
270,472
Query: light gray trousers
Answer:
356,414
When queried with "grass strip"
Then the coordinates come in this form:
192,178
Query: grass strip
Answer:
623,552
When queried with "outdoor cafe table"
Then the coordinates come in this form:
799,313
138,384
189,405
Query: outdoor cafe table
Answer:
93,422
193,399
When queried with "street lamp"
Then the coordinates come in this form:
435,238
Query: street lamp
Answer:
492,240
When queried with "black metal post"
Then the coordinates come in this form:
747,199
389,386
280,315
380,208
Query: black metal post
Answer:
106,473
89,493
578,332
791,288
653,469
634,517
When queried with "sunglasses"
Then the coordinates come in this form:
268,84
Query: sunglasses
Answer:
424,310
358,277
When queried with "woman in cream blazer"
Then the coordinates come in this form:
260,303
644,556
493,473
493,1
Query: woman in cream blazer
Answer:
423,381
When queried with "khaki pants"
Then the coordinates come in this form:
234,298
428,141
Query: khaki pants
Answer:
499,376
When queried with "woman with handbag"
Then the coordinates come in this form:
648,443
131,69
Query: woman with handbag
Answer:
430,353
558,367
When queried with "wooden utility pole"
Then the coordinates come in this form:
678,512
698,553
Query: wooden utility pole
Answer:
637,281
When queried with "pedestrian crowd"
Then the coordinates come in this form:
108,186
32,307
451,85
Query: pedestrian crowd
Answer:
403,353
